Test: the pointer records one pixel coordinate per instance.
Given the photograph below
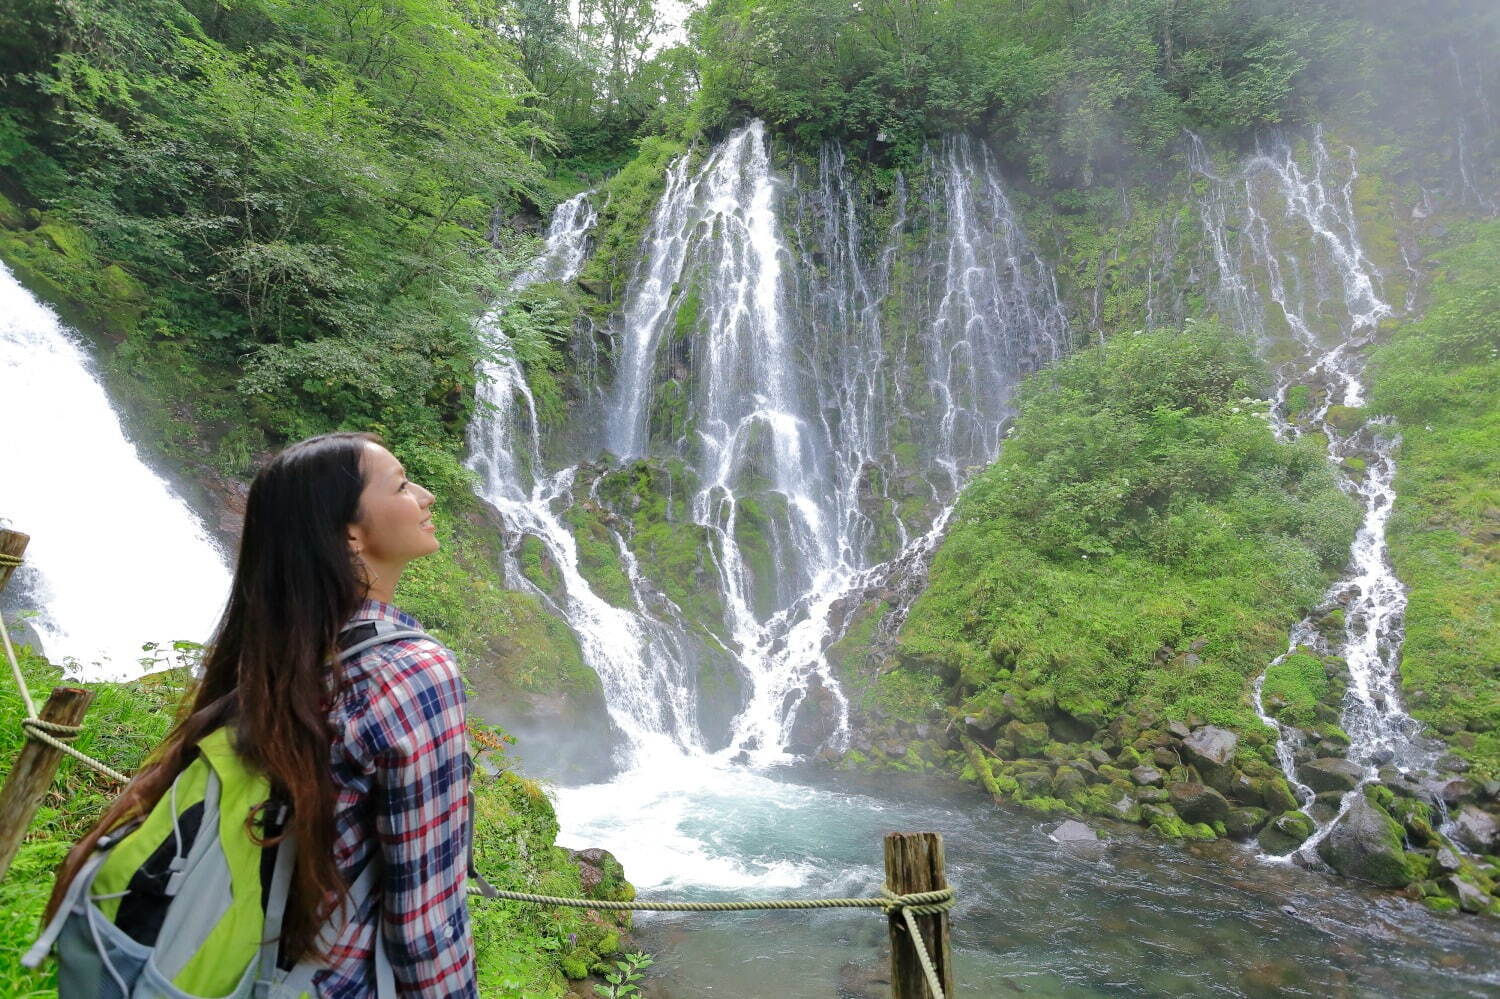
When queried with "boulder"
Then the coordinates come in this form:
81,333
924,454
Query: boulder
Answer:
1165,758
1285,833
1330,773
1073,831
1067,783
818,719
1126,809
1211,746
1447,860
1453,792
1179,729
1243,823
1026,739
1477,829
1146,776
1469,896
1196,803
1035,783
1275,794
1366,843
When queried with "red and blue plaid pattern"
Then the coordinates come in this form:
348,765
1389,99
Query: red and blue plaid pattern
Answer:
400,767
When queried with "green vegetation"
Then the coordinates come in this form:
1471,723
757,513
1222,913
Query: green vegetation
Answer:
1141,507
521,951
1440,378
1294,688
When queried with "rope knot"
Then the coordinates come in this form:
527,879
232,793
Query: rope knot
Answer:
66,733
918,903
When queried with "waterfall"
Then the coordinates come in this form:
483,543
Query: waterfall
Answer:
834,381
1291,267
119,568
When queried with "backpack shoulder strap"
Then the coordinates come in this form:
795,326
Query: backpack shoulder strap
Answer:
364,635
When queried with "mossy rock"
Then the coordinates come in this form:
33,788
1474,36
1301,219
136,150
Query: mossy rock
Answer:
1286,832
11,217
1345,419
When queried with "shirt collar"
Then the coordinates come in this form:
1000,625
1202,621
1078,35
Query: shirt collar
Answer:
377,610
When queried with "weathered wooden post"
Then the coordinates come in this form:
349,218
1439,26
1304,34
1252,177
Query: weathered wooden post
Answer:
37,762
914,863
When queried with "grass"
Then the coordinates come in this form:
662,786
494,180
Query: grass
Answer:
1142,542
522,952
1439,377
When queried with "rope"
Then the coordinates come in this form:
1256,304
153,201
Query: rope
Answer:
910,906
12,560
38,729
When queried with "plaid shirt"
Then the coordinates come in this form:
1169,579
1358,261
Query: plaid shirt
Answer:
400,766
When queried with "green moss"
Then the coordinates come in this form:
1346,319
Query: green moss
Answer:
1440,378
1294,687
1140,509
629,198
599,555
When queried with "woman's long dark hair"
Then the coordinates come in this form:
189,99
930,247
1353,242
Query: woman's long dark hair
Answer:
267,671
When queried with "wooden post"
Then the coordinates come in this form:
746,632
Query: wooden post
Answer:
32,775
11,543
913,863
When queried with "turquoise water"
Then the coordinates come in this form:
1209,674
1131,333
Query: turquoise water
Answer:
1130,917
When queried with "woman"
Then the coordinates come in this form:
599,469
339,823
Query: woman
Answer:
370,751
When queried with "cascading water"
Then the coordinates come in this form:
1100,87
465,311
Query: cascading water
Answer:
804,400
1286,243
119,568
835,379
639,660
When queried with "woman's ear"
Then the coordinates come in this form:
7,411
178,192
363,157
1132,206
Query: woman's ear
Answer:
356,538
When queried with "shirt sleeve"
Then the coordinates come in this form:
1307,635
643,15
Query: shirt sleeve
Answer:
422,820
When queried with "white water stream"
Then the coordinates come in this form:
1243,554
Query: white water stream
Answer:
1286,242
119,567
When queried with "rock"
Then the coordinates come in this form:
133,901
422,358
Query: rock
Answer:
1179,729
1026,739
1099,757
1211,746
1470,897
1073,831
1331,773
1164,757
1326,805
1150,795
1276,795
1285,833
1196,803
1453,792
1242,789
1243,823
593,286
1366,844
1067,783
1035,783
1453,763
1126,809
1146,776
599,873
817,721
1477,829
1447,860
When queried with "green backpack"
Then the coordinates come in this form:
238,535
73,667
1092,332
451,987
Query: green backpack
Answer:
184,904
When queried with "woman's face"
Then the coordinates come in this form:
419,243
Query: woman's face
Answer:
395,524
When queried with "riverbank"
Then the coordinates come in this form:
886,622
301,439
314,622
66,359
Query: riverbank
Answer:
521,951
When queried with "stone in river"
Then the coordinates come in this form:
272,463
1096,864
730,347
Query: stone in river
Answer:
1470,897
1073,831
1285,833
1477,829
1366,844
1331,774
1196,803
1243,822
1211,746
